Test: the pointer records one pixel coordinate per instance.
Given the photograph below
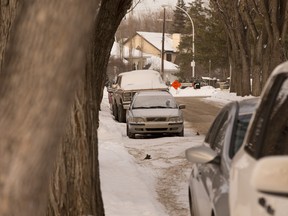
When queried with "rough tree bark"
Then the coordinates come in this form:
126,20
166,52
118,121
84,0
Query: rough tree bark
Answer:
75,186
8,10
37,85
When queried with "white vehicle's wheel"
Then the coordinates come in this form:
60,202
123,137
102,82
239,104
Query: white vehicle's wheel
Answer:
115,111
121,114
129,134
181,134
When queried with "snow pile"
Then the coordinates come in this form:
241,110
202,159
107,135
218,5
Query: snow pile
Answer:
205,91
211,94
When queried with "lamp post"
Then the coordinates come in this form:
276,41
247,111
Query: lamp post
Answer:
193,35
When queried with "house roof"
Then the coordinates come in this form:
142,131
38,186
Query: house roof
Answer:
155,38
155,63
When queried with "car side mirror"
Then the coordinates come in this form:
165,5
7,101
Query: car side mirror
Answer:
182,106
201,154
270,175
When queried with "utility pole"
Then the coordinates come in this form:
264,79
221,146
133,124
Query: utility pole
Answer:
209,71
163,45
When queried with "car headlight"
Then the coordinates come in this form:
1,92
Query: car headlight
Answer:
137,120
175,119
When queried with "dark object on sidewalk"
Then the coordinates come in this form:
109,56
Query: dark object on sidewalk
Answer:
197,133
147,157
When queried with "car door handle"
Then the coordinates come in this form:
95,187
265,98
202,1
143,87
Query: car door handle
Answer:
262,202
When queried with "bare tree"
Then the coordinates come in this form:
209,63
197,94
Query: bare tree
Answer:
257,31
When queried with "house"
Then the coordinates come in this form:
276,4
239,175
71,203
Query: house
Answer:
151,43
143,51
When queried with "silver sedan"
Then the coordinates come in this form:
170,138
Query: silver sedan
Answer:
209,179
154,112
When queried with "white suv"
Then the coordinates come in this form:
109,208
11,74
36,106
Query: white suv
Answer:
259,171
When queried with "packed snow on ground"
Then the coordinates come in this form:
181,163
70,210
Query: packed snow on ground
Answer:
129,188
212,94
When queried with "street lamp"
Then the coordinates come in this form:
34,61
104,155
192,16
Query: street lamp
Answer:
193,35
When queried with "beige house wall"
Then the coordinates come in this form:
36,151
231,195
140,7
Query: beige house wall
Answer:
139,42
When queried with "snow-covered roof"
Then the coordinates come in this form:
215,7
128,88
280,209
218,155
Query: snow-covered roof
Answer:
155,38
142,79
156,64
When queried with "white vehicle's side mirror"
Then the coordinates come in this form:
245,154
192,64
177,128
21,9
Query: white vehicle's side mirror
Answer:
270,175
201,154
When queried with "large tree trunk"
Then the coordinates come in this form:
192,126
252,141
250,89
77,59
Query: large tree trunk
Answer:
37,85
8,10
75,187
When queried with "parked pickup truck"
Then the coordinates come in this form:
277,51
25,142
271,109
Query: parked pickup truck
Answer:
127,84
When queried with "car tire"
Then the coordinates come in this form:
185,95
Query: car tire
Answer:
190,203
121,114
115,111
181,134
129,134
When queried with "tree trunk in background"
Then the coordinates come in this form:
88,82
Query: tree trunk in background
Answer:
8,10
75,187
240,32
261,29
231,66
42,68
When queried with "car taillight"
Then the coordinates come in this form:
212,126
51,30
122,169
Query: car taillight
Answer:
127,96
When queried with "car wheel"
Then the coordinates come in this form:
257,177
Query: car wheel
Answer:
129,134
181,134
121,114
190,203
115,112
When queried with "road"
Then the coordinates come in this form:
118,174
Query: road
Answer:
168,152
199,113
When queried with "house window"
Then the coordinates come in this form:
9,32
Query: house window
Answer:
169,57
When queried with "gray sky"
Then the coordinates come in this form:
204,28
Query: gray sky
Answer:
154,5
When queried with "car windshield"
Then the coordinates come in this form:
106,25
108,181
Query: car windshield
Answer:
240,130
154,101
